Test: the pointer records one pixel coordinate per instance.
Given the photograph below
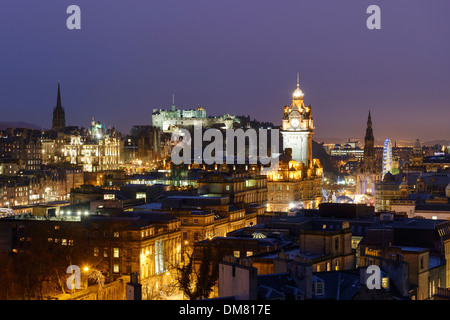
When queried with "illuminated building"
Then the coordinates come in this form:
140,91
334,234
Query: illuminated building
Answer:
246,188
99,150
205,217
146,243
167,120
437,162
22,147
297,128
34,187
297,181
368,173
294,186
350,150
416,155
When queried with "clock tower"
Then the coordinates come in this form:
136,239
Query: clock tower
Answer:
297,128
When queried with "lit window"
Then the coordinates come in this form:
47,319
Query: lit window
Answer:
237,254
249,253
116,252
319,288
116,234
385,282
116,268
64,242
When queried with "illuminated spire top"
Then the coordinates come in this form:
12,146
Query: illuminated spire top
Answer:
298,94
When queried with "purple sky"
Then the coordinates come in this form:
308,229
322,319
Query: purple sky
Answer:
231,56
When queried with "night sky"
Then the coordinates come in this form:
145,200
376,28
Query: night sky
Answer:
231,56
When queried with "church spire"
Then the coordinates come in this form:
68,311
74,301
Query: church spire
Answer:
59,118
58,99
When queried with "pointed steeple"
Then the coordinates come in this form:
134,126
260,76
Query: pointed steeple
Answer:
58,99
59,118
369,151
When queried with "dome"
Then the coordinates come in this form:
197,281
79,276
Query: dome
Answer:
298,94
344,199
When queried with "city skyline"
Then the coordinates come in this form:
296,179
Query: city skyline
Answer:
117,69
225,152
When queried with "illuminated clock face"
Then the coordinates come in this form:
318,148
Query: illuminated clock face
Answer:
294,123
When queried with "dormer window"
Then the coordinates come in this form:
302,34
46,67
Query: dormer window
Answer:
318,286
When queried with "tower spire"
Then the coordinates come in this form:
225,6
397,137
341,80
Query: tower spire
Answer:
58,99
59,118
298,80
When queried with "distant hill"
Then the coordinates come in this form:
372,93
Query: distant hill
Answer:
5,125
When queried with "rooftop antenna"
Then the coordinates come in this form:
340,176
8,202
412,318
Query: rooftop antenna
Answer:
173,102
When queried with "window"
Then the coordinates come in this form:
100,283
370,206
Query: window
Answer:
105,252
64,242
319,288
116,268
237,254
184,236
116,234
249,253
227,187
95,252
116,253
336,243
385,282
195,221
